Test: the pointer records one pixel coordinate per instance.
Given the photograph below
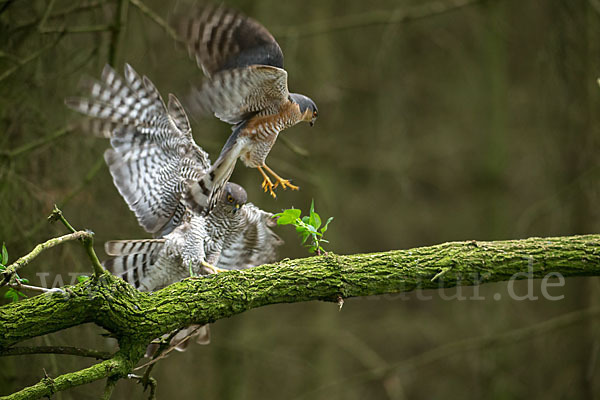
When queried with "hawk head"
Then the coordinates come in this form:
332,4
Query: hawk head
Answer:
234,196
308,108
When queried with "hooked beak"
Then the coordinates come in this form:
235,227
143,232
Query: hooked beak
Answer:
312,123
237,207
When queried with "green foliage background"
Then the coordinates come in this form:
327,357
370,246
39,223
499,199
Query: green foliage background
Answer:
481,123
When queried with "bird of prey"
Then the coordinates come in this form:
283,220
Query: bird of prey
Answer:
246,87
158,168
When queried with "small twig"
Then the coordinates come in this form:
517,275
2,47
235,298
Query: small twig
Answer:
293,147
40,26
87,240
118,28
57,215
12,269
166,347
28,59
373,18
66,350
79,29
37,143
150,382
111,381
164,344
157,19
86,181
18,285
67,11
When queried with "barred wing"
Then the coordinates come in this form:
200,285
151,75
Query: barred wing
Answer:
234,94
220,38
154,158
254,245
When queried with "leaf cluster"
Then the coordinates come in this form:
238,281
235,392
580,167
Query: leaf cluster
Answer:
12,293
308,226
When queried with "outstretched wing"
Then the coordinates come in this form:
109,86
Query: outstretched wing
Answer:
254,245
153,158
220,38
233,95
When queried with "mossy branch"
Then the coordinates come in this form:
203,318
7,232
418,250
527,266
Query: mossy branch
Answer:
13,268
135,318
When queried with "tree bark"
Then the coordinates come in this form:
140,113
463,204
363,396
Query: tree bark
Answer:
135,318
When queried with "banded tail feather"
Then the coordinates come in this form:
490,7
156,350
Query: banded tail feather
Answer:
211,185
133,259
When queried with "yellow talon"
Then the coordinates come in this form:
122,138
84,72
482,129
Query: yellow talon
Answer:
286,183
212,268
267,184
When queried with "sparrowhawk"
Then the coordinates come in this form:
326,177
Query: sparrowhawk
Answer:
158,168
247,87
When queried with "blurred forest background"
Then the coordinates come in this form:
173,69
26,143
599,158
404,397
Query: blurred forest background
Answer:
442,121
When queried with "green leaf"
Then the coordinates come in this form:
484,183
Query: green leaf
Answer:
324,229
315,220
4,254
82,278
13,294
288,216
10,294
23,280
305,235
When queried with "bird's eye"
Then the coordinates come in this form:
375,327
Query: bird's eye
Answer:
314,114
229,198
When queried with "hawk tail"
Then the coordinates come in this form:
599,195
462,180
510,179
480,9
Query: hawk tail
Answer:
132,259
209,188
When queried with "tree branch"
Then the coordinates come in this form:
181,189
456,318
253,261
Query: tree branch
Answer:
116,306
12,269
87,240
67,350
118,366
135,318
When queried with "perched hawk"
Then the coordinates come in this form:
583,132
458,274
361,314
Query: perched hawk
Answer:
246,87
